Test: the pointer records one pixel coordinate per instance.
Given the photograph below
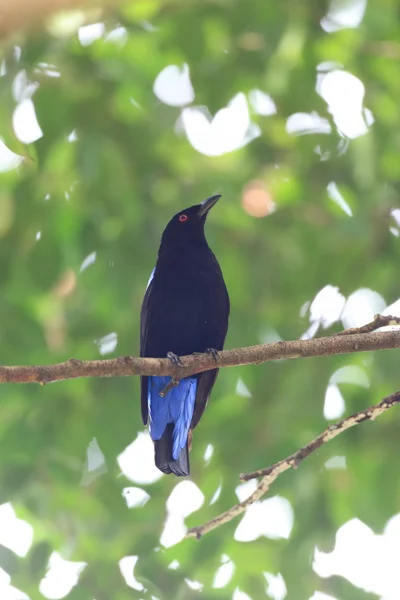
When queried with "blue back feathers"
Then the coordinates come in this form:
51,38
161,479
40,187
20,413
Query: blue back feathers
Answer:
176,407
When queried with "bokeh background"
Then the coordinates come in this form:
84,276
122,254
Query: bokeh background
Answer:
113,119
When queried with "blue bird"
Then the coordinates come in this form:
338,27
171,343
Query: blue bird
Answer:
185,310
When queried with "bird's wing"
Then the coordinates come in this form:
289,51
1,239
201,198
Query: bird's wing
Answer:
144,326
207,379
205,384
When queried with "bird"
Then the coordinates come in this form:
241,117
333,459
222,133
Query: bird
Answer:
185,310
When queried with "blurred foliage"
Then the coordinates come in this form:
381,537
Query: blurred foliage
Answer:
111,191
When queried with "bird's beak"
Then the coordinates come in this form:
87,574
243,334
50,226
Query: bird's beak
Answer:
207,205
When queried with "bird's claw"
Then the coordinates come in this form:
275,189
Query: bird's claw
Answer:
214,353
174,358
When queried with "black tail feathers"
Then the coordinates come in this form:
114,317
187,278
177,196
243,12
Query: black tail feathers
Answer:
163,455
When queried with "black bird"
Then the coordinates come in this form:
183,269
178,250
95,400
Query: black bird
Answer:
185,310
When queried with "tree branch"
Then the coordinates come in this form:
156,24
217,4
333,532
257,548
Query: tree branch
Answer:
353,340
270,474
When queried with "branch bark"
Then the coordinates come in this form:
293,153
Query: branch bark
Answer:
271,474
348,341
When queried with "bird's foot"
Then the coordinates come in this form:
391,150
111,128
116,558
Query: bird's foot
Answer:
214,353
174,358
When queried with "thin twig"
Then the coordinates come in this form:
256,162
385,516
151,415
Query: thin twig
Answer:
378,322
270,474
171,384
129,366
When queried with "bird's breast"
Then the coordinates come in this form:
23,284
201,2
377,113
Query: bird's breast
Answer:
188,307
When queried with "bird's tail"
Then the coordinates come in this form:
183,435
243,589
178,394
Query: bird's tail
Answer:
170,419
163,455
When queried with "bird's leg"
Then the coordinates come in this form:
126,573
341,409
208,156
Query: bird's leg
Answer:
174,358
212,351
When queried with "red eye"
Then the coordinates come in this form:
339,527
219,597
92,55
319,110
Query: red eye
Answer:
183,218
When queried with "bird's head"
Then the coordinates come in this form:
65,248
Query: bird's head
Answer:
187,226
